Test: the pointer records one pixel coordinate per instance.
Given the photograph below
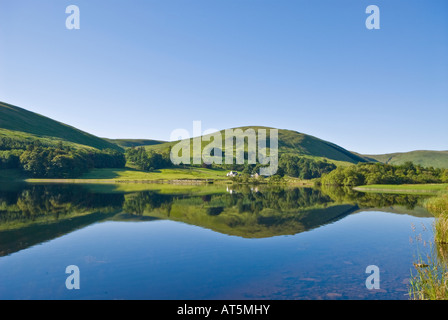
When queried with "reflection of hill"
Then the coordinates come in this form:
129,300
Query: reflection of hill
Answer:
417,211
266,223
396,203
38,213
243,213
270,211
17,239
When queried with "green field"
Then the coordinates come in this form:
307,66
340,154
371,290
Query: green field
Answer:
131,175
404,188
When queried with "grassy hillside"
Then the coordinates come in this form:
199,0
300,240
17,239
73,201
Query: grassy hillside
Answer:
436,159
30,138
129,143
23,124
21,120
291,142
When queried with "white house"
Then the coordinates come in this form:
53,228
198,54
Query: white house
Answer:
232,174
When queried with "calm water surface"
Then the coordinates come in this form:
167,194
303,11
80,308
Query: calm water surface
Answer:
183,242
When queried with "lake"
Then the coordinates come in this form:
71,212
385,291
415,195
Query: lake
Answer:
206,242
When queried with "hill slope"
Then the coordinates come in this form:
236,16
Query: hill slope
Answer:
18,119
436,159
129,143
22,124
292,142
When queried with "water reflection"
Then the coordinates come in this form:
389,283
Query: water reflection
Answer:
32,214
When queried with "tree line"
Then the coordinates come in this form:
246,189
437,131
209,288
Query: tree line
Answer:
303,168
147,160
379,173
55,161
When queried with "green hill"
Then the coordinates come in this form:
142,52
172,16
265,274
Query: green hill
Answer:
290,142
29,138
129,143
32,124
436,159
21,124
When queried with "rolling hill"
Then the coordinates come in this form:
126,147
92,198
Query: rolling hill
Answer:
20,122
289,142
129,143
425,158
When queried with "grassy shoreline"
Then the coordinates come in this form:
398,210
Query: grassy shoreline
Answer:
430,279
193,176
430,282
200,176
111,181
404,188
129,175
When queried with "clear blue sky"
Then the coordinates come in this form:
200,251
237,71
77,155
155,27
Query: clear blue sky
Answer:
140,69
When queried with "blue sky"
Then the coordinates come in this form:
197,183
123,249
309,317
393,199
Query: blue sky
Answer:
140,69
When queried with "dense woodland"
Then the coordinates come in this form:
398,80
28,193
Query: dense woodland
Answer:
303,168
379,173
147,160
55,161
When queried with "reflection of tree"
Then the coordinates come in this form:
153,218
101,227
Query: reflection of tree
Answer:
371,200
146,201
39,213
244,200
247,211
38,201
278,198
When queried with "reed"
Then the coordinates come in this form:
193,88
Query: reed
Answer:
430,281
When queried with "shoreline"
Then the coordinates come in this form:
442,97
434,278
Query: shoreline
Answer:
124,181
404,189
299,183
